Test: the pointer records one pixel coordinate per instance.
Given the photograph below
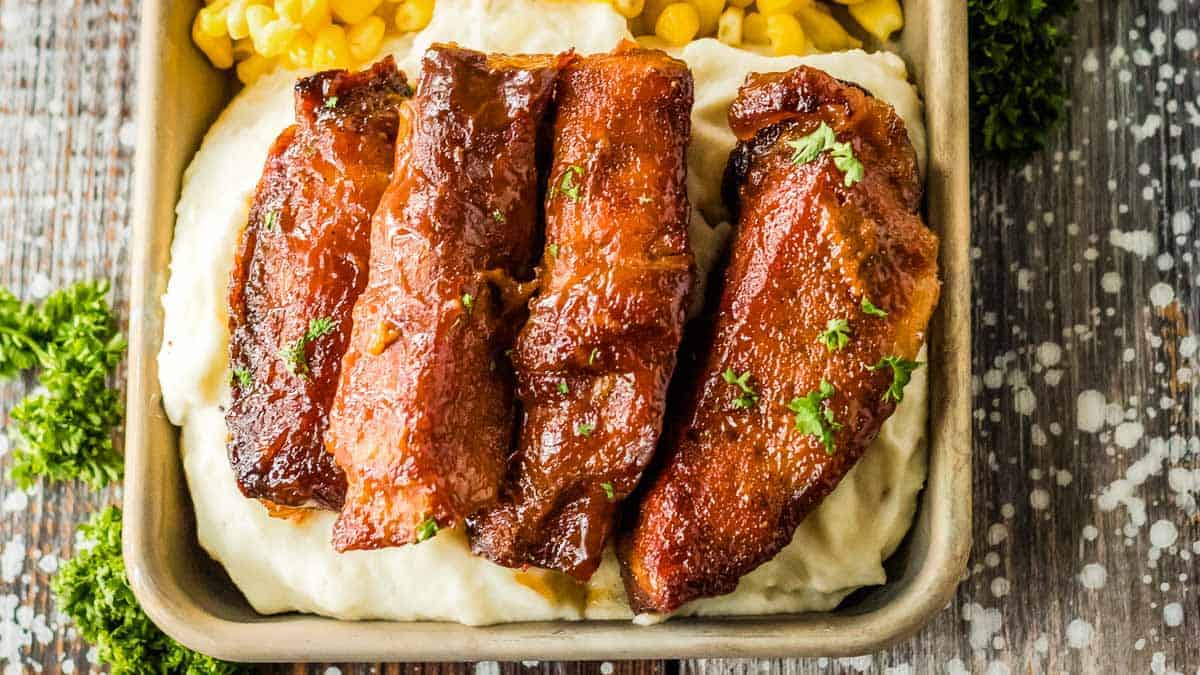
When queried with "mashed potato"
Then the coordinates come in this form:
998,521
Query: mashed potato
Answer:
286,565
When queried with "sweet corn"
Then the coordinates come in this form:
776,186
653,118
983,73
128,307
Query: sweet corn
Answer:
213,20
709,12
826,32
678,23
741,3
219,50
235,17
365,37
413,15
754,29
330,49
300,52
353,11
729,28
314,15
629,8
768,7
786,35
880,18
243,49
290,10
254,67
652,11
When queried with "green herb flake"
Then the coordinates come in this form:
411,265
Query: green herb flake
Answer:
242,378
563,388
568,184
869,308
592,357
331,102
747,396
295,355
902,370
468,302
836,335
498,216
584,429
645,200
814,418
427,529
609,492
270,220
808,148
552,249
93,589
64,432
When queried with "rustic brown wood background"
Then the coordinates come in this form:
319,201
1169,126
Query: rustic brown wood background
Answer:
1086,279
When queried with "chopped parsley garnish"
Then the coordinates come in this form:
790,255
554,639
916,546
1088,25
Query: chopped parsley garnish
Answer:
468,302
808,148
748,397
65,432
609,492
331,102
584,429
93,589
593,355
552,249
869,307
427,529
645,200
295,355
814,418
836,335
568,184
563,388
498,215
902,370
270,219
243,378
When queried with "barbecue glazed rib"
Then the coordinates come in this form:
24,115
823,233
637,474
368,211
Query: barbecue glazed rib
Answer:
593,360
423,418
782,407
301,264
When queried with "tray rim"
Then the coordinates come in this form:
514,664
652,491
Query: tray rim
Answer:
291,637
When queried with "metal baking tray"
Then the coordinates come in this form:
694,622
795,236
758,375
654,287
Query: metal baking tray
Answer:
190,597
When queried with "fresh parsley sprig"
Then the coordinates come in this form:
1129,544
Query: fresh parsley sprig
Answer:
748,397
836,335
902,370
93,589
64,433
808,148
295,355
814,418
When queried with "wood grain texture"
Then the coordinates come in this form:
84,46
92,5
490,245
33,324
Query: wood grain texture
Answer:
1063,307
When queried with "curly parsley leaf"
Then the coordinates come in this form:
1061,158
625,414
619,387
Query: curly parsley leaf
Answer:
427,529
1017,92
22,335
808,148
65,432
748,397
295,355
836,335
568,184
92,588
902,370
814,418
870,309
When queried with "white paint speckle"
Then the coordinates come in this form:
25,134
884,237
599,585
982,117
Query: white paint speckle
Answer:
1186,39
12,559
1093,576
1163,534
1173,614
1161,294
1039,499
1127,434
1079,634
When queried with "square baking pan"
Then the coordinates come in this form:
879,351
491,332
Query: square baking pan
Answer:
190,597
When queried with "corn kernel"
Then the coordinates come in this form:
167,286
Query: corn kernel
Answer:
213,20
629,8
651,12
289,9
315,15
300,52
365,38
353,11
678,23
754,28
786,35
741,3
729,28
709,12
880,18
768,7
826,32
219,50
257,18
330,49
251,69
235,17
413,15
243,49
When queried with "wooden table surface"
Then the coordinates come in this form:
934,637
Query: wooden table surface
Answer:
1086,363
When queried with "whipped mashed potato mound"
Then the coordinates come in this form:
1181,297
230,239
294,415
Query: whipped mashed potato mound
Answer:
285,565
